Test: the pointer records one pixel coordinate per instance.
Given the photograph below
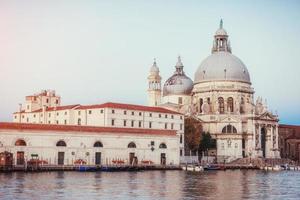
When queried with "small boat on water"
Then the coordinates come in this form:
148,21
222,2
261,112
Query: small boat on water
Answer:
86,168
273,168
193,168
212,167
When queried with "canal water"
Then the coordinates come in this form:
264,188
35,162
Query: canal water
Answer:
151,185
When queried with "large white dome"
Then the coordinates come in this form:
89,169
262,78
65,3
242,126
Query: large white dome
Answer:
222,65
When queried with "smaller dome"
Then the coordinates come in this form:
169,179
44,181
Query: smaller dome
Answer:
178,83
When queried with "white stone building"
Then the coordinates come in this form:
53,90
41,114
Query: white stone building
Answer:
221,97
157,133
66,144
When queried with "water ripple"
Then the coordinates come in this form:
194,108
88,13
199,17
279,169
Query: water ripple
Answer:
151,185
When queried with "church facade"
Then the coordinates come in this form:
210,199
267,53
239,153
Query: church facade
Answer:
222,99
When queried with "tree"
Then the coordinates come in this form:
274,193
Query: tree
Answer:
192,134
206,143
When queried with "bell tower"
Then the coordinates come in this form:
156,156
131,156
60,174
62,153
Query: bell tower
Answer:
154,86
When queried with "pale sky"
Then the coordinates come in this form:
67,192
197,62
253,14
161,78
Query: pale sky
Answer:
96,51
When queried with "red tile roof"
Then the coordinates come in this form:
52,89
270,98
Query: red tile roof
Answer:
83,129
128,107
293,127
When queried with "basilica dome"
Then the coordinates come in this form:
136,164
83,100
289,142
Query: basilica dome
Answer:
178,83
222,64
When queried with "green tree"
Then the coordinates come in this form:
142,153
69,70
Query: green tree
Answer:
206,143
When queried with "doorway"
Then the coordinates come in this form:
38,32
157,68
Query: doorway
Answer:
61,158
131,158
263,141
163,159
20,158
98,158
243,148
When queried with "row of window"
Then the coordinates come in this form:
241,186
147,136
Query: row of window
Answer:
98,144
101,111
140,124
221,102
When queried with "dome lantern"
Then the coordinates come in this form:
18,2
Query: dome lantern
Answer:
221,42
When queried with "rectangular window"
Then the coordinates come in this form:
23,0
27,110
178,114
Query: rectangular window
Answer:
90,112
150,114
140,113
152,143
15,116
27,107
159,115
23,116
66,113
65,121
172,116
132,113
79,112
49,122
132,123
47,100
124,122
49,114
140,124
150,124
56,121
181,126
27,120
112,122
112,111
34,116
172,126
180,117
125,112
166,125
166,116
101,111
57,114
56,101
180,139
180,152
179,100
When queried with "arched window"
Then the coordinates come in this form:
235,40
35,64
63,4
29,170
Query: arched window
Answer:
229,129
98,144
201,103
131,145
242,107
20,142
162,146
221,105
230,104
61,143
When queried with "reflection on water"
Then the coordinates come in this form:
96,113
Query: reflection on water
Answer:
151,185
